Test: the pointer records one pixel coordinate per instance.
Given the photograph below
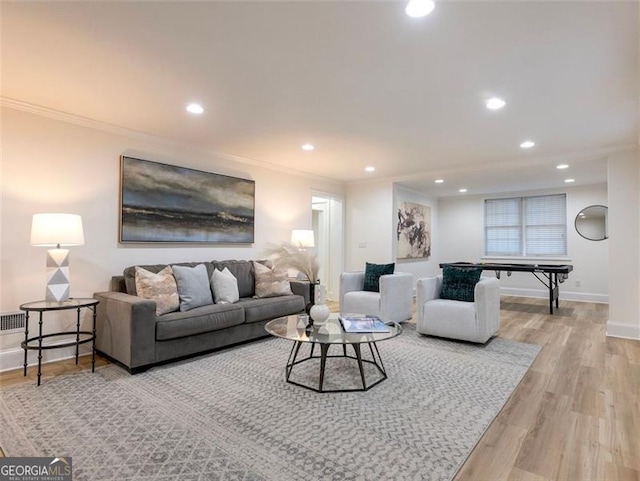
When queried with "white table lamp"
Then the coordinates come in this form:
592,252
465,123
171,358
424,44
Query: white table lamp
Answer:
57,230
302,238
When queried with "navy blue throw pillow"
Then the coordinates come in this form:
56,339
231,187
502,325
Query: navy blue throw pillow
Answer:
372,275
458,283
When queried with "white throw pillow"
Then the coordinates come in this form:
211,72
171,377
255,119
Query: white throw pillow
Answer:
160,287
224,286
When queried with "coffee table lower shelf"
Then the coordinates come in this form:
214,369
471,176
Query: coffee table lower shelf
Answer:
375,360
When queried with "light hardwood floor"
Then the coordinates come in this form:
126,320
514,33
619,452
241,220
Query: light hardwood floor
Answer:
575,415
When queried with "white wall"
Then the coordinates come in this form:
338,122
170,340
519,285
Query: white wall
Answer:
419,267
369,224
461,237
624,242
54,166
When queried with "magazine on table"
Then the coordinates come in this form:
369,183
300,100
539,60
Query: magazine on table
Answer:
362,323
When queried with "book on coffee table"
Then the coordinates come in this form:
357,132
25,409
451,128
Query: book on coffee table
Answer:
361,323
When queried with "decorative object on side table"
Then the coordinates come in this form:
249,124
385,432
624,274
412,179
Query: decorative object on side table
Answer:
57,230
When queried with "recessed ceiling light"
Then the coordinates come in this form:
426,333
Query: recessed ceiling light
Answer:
527,144
495,103
308,147
439,181
195,108
462,190
370,168
568,181
562,166
419,8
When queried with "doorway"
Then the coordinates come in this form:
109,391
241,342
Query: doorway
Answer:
327,218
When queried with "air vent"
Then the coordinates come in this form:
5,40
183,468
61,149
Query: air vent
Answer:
12,322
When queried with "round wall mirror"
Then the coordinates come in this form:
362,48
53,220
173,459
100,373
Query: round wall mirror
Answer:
591,222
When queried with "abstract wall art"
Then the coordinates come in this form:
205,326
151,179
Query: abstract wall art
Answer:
167,203
414,231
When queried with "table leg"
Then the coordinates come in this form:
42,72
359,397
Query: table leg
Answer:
77,335
93,346
39,347
324,348
26,337
356,347
550,293
292,358
556,286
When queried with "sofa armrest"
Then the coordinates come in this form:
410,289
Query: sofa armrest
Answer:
126,328
396,296
487,301
427,289
349,282
302,288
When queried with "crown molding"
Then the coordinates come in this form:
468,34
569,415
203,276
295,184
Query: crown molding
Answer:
151,138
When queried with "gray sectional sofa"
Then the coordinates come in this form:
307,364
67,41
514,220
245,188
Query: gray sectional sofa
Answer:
129,332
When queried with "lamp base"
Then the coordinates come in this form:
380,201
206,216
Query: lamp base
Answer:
57,275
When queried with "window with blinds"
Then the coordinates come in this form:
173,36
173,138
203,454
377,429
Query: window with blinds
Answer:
526,226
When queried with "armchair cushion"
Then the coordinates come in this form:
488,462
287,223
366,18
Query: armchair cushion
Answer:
372,274
458,283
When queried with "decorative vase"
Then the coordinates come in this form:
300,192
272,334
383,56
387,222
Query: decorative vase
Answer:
319,312
312,297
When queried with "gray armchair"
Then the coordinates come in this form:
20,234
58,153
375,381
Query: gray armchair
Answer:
467,321
394,302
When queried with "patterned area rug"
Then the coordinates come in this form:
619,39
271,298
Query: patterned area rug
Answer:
231,416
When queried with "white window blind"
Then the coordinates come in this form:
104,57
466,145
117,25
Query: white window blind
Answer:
526,226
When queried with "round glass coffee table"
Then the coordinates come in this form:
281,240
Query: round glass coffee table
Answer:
331,333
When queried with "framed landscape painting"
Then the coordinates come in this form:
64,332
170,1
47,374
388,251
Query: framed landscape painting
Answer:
414,231
167,203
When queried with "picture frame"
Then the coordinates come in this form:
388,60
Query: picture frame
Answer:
413,231
171,204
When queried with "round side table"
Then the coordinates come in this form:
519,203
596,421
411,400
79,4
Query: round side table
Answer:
81,337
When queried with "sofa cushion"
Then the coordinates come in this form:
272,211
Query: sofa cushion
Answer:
130,273
160,287
372,274
242,271
271,307
193,286
458,283
224,286
198,320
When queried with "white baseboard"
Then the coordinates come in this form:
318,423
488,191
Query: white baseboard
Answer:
564,295
624,331
14,358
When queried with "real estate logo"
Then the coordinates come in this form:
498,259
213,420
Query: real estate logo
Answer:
36,469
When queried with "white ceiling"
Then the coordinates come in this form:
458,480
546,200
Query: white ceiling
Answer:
363,82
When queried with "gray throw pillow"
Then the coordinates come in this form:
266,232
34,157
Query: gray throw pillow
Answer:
193,286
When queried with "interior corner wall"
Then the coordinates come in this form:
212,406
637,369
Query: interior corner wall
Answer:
624,245
369,224
418,267
55,166
461,238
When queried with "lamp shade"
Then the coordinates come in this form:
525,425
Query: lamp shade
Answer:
302,238
56,229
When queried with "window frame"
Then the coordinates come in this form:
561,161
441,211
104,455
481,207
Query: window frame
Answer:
523,254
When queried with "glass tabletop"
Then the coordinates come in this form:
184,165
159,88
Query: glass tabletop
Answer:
70,303
292,328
